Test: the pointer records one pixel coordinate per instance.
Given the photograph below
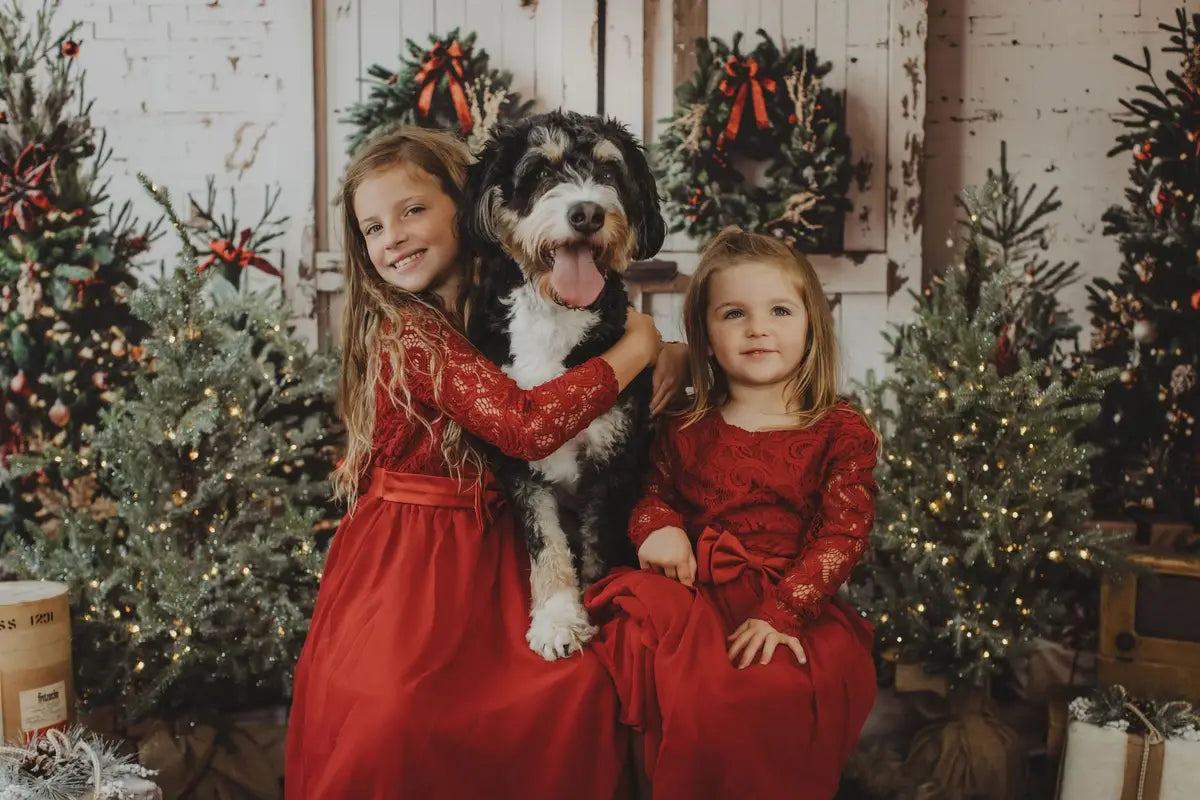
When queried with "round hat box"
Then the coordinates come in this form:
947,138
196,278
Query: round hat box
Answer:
37,691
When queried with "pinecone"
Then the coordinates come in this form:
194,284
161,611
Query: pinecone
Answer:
1183,378
41,763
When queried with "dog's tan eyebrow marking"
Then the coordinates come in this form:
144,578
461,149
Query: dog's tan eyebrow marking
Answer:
607,151
549,143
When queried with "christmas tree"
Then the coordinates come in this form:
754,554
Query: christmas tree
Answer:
1004,222
982,524
1147,321
67,337
196,595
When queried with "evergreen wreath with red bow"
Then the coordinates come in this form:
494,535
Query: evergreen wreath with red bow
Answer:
765,106
446,85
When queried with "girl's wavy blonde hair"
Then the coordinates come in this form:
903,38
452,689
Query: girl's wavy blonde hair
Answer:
376,312
814,385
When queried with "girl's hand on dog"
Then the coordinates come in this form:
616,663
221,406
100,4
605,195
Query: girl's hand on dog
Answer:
640,328
671,375
754,636
668,551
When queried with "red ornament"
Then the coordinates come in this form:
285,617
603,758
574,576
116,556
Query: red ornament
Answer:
70,48
19,384
1196,299
1143,153
100,379
60,415
3,117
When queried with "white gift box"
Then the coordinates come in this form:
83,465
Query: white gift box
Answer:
1108,763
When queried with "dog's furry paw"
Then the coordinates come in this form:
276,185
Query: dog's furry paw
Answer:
559,626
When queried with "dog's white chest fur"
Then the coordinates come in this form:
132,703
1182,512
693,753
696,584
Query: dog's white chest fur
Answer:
542,333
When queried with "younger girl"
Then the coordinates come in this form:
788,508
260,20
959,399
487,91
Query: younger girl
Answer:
415,680
748,677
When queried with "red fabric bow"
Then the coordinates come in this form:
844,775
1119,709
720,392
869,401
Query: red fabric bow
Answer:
21,190
446,58
743,79
238,254
722,558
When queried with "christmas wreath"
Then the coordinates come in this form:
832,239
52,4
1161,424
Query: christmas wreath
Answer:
447,85
738,113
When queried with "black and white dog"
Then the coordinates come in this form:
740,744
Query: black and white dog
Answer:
556,207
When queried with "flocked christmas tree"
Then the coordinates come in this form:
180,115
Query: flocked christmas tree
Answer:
67,338
982,521
1147,321
203,601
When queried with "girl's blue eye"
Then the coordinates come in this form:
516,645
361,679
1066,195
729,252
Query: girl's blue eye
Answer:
730,314
415,210
781,311
372,228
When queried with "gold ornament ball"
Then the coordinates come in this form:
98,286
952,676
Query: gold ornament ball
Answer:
60,415
117,348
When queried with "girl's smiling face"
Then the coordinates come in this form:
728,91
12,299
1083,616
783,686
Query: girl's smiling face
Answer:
757,324
408,225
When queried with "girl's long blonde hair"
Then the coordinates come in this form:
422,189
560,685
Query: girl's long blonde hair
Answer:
376,312
814,385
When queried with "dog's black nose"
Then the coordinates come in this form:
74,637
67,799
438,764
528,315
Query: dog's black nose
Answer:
586,217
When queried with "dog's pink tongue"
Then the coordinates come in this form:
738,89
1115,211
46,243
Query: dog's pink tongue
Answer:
575,278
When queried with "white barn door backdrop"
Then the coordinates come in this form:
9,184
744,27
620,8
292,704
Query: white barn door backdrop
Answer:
624,58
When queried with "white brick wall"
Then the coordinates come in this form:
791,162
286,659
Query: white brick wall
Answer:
1040,75
188,88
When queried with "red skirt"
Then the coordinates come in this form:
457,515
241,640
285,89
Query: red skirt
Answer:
712,731
416,680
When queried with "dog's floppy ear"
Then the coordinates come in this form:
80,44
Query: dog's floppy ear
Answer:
651,228
476,233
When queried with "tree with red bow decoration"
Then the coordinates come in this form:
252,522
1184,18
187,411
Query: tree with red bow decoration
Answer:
1146,322
767,105
227,248
447,85
67,336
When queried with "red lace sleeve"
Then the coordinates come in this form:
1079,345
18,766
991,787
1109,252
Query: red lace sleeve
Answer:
524,423
657,508
842,530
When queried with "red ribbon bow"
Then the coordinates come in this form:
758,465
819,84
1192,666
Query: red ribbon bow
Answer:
238,254
722,558
743,79
446,58
21,190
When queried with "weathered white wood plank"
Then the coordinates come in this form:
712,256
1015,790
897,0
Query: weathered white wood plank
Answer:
868,22
866,124
520,51
726,18
860,336
799,24
661,63
831,40
624,73
379,35
342,72
549,31
448,15
580,61
417,20
906,137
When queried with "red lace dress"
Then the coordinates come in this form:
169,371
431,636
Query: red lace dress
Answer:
778,519
416,680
